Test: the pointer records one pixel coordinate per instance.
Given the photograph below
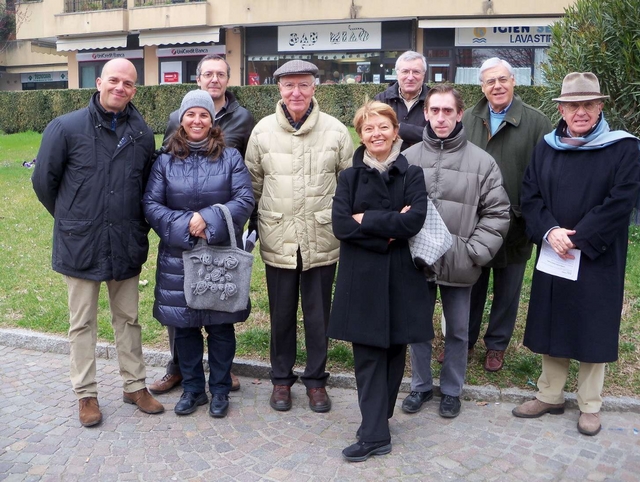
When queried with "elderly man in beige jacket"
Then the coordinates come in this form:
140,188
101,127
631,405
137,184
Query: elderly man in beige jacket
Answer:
294,157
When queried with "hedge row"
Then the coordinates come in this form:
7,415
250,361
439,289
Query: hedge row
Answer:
33,110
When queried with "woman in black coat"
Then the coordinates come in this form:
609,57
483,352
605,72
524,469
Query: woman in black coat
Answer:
379,303
578,194
196,173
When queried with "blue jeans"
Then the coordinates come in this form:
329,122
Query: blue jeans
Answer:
221,344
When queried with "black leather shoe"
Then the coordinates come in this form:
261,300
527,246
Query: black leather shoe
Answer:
361,451
413,402
449,406
219,405
189,402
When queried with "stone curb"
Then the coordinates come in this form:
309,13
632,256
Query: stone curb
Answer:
31,340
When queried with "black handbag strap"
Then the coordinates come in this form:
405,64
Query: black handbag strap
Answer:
229,220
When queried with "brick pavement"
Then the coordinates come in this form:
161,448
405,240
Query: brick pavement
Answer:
41,438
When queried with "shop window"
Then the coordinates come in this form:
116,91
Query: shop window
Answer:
90,71
523,60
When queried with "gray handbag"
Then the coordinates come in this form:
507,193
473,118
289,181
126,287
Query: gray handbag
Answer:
433,240
218,278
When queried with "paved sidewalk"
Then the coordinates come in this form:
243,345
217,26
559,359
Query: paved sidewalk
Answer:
41,438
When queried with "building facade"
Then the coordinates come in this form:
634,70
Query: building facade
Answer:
65,43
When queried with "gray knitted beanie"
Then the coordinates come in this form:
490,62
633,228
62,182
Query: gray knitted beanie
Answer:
197,98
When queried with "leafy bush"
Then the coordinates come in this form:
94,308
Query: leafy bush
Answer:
600,36
32,110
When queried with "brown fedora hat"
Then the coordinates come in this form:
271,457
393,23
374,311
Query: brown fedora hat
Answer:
580,86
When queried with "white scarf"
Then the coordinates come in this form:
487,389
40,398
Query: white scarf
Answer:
382,166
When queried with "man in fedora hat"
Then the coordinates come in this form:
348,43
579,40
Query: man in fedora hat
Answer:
294,157
577,196
508,129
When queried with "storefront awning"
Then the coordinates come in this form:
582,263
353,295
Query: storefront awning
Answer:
176,36
91,43
486,22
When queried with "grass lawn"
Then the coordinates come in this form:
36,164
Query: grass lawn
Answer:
34,297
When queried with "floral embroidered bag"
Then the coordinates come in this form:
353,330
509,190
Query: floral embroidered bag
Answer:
217,277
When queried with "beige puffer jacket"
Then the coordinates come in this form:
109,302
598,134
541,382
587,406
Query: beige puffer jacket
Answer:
465,185
294,176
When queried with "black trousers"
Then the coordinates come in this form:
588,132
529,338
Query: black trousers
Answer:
379,374
285,287
507,283
221,344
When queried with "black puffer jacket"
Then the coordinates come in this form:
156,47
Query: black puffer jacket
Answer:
235,121
91,179
411,122
176,189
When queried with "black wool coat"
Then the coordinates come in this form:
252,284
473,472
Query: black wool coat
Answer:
592,192
380,297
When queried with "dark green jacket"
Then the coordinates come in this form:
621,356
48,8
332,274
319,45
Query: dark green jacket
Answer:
511,146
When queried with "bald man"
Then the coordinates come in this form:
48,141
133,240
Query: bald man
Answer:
91,173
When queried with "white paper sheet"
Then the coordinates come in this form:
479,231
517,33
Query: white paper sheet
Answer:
549,262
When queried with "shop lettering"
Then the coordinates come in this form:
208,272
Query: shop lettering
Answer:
357,34
304,40
529,39
42,77
110,55
523,35
193,50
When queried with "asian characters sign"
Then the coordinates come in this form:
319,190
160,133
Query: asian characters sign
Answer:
343,36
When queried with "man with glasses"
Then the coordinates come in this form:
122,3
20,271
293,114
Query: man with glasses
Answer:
236,122
407,95
508,129
294,157
212,74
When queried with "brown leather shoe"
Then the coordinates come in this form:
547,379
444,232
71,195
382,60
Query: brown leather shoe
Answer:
165,384
280,398
535,408
319,400
235,383
589,423
494,360
89,410
144,400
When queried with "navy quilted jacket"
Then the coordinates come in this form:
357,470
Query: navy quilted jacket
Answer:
176,189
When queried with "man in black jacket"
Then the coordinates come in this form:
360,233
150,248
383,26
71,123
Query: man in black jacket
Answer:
92,168
236,122
406,97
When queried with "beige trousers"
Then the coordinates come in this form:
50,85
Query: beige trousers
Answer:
83,332
590,382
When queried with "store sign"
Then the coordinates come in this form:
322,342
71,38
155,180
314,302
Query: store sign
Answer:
191,51
342,36
44,77
113,54
503,37
171,72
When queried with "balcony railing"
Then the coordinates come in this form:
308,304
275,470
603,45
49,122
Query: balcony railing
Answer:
149,3
91,5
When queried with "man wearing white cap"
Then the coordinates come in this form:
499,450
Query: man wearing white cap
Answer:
294,157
